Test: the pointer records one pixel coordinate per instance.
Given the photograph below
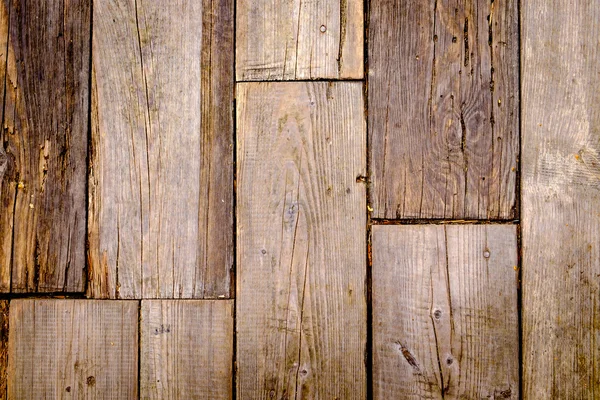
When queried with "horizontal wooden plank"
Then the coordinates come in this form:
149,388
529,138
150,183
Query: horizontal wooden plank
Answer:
186,349
295,39
44,75
445,318
161,175
80,349
301,309
444,109
561,200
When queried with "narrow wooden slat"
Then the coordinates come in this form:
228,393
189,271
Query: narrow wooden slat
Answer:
161,165
4,309
186,349
301,312
561,200
80,349
443,108
44,75
445,319
295,39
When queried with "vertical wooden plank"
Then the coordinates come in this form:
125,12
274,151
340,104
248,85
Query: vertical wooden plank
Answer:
186,349
445,319
161,165
4,307
81,349
44,75
301,312
561,200
295,39
443,108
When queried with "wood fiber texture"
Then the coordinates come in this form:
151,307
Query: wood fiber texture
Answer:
79,349
444,109
161,169
44,89
561,200
301,307
186,349
445,318
296,39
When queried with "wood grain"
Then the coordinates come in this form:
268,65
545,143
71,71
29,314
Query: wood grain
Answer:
186,349
161,165
561,200
443,109
445,319
80,349
295,39
301,312
4,310
44,75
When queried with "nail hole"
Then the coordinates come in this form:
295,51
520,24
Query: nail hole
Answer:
486,254
437,314
449,360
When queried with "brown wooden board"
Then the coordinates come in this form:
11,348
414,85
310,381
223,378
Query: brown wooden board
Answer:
443,109
186,349
79,349
295,39
301,309
445,319
161,166
561,200
4,307
44,76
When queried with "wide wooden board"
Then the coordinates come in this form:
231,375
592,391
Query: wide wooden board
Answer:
445,319
301,309
44,79
444,109
561,200
161,175
73,349
295,39
186,349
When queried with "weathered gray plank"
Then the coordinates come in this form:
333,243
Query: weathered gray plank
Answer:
295,39
44,75
443,108
80,349
301,312
161,165
186,349
445,319
561,200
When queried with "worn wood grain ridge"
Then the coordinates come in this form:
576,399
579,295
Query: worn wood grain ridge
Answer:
80,349
186,349
161,175
445,319
301,262
443,109
44,76
561,200
295,39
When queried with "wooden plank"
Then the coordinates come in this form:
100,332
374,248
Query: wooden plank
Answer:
44,75
295,39
186,349
561,200
301,312
4,307
81,349
444,109
161,165
445,319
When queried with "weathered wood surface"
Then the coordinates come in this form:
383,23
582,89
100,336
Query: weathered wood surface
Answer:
445,319
295,39
161,166
443,109
186,349
301,312
80,349
561,200
44,75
